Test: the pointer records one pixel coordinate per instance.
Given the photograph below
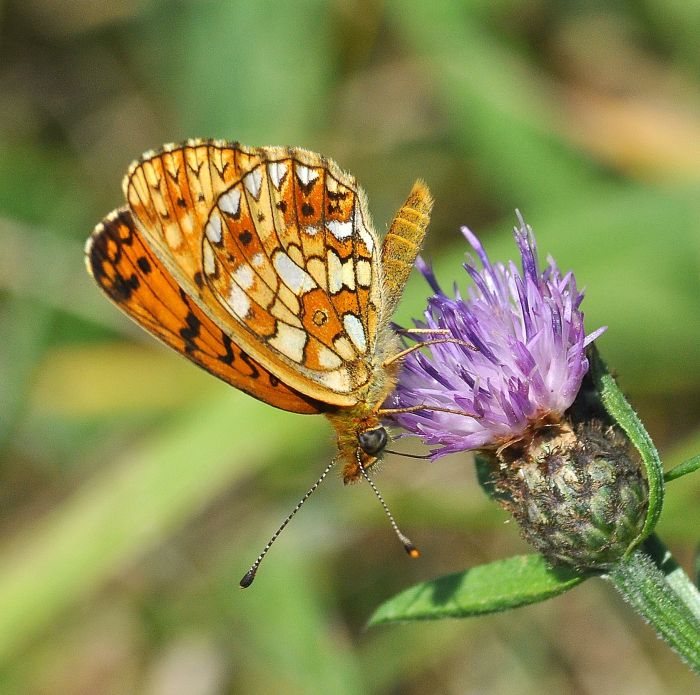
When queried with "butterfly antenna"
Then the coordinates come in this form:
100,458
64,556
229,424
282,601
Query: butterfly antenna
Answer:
249,576
405,540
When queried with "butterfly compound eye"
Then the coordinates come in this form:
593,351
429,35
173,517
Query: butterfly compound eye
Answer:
373,441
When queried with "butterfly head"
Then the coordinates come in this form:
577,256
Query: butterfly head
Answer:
373,441
360,443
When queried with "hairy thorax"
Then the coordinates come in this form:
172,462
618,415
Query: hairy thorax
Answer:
350,423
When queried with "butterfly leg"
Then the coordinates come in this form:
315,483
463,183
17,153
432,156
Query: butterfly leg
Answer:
422,331
418,346
424,406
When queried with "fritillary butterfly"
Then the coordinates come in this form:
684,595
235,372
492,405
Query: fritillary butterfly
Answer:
261,265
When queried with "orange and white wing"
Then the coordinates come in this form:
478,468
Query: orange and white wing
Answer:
276,247
132,276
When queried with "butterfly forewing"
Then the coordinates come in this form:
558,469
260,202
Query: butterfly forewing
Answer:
276,247
135,280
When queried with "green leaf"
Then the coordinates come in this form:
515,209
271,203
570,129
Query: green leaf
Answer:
621,411
692,464
491,588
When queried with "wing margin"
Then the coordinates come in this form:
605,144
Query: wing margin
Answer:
135,280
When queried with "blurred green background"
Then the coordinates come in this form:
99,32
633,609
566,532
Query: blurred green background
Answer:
135,490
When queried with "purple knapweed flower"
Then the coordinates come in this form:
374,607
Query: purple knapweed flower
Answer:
529,361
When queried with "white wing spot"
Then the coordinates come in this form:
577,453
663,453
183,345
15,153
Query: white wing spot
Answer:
349,274
213,229
208,259
344,348
364,273
231,202
335,272
317,270
306,175
290,341
367,238
311,231
186,223
278,171
257,260
338,381
243,275
340,230
296,278
340,273
328,359
353,327
173,236
238,301
253,182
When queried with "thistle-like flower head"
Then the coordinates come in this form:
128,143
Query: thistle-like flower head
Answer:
530,358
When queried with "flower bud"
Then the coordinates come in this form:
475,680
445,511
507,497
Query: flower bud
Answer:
578,493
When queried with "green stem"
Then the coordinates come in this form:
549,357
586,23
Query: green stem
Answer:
678,580
652,586
689,466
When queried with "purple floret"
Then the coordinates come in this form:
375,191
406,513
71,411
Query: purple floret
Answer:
530,358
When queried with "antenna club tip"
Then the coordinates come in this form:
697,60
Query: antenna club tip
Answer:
412,550
247,579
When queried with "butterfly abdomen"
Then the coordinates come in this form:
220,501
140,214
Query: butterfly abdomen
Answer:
403,242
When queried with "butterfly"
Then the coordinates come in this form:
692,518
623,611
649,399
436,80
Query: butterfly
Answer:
262,266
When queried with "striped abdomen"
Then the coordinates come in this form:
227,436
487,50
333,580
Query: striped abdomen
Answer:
403,242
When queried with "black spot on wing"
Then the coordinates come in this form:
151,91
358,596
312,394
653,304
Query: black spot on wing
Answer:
190,331
307,187
122,288
229,357
122,229
193,168
254,372
221,171
105,253
232,215
173,175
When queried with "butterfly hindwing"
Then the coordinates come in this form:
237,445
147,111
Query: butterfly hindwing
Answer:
277,248
132,276
298,276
